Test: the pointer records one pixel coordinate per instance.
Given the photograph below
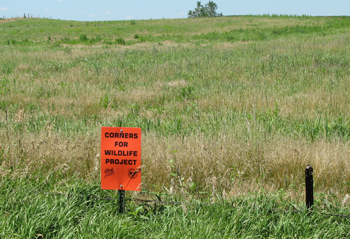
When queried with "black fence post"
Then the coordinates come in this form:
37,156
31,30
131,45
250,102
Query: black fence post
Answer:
121,201
309,187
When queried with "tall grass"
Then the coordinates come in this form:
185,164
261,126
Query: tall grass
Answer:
239,28
217,114
79,210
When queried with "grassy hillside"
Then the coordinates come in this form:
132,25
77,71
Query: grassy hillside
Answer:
232,110
227,106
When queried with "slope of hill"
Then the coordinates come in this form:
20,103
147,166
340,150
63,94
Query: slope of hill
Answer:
227,105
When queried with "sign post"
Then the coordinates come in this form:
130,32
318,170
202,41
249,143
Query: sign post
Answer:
309,187
121,161
121,201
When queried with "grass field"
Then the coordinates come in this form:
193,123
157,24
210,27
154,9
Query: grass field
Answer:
76,211
231,108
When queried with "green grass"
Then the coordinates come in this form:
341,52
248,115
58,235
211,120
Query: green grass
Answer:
233,29
231,109
28,211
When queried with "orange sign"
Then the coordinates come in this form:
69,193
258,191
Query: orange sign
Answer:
121,158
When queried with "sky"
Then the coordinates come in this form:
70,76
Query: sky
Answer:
102,10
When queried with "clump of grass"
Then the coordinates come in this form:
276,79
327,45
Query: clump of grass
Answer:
120,41
95,39
66,39
83,38
11,42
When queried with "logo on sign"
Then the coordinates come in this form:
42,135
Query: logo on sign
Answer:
133,173
109,172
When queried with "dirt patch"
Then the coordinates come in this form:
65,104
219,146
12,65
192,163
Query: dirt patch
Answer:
176,84
22,67
12,19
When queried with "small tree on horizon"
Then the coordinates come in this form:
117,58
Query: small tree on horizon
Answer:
209,10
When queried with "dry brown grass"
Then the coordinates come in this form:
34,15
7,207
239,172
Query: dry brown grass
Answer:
223,165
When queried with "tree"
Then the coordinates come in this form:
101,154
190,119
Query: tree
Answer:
209,10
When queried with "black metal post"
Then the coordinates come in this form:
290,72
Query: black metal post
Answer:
121,201
309,187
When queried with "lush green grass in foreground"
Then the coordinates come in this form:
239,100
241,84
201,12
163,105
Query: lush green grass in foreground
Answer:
75,211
